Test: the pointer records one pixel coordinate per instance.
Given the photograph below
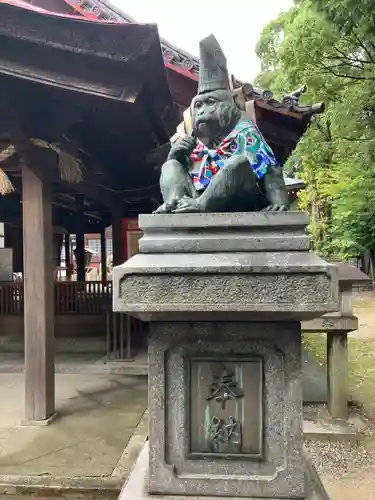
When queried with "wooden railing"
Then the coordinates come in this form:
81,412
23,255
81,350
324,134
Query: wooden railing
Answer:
11,297
71,297
82,297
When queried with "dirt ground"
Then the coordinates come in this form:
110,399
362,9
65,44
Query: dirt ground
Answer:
348,470
364,309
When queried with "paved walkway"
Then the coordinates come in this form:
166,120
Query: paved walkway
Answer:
97,416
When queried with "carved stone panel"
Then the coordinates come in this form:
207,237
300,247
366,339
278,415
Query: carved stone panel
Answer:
226,407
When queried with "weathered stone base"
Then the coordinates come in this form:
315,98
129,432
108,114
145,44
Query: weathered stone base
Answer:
225,295
136,487
263,456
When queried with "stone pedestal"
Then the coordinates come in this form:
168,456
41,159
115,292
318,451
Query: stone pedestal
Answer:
225,295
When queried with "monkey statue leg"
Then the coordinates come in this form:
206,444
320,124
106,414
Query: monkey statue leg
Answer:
175,183
233,188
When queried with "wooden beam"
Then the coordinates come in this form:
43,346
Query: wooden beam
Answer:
38,296
59,202
92,191
72,208
88,186
19,126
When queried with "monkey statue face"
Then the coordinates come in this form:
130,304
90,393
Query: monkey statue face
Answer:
214,115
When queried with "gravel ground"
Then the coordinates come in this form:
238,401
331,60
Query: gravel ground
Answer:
346,469
337,459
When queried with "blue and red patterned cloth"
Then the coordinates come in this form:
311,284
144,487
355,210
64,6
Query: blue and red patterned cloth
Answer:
245,139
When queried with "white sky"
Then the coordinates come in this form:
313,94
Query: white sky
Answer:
236,24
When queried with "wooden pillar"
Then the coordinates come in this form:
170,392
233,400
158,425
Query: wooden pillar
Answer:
103,253
68,261
80,240
337,373
38,296
117,240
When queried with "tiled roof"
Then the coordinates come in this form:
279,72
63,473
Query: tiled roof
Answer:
188,65
174,57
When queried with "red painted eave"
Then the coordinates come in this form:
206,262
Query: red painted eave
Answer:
182,71
35,8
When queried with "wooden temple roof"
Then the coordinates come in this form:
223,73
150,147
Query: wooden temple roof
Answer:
85,88
176,58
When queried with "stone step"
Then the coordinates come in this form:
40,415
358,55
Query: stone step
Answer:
224,232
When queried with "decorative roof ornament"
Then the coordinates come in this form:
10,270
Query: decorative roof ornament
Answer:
213,72
292,99
288,102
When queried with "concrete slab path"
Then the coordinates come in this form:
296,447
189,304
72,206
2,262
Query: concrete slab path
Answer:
97,414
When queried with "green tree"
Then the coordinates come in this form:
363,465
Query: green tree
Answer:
354,20
336,155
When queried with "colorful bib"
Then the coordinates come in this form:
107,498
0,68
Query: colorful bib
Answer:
246,139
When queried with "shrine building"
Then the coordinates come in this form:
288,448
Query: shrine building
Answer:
89,101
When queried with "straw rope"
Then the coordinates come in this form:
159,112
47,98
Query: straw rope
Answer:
6,186
70,167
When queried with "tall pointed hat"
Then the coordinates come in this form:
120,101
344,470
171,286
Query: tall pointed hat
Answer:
213,72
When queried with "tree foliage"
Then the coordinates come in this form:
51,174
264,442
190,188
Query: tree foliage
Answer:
355,22
315,43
